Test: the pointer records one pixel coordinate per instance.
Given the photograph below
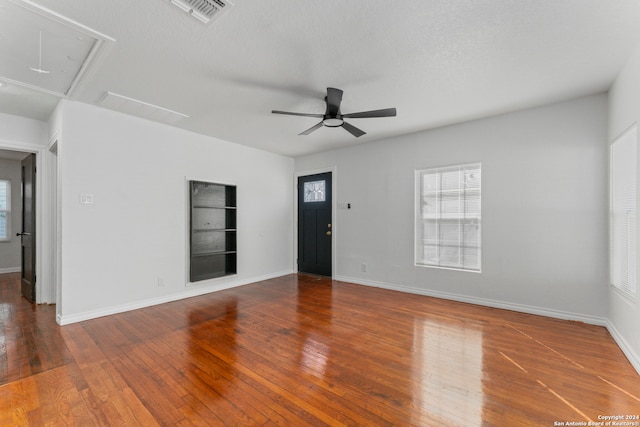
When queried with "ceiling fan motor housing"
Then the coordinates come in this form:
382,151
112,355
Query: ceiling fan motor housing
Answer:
333,118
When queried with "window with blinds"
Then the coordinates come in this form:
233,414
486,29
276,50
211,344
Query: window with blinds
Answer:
448,217
5,210
622,211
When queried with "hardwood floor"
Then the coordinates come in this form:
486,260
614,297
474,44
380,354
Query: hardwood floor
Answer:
301,350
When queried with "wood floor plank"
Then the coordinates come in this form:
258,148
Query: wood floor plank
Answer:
303,350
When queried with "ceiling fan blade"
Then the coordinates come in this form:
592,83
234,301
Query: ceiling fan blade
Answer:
353,130
334,98
387,112
288,113
311,129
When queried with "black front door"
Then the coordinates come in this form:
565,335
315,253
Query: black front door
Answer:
28,234
314,224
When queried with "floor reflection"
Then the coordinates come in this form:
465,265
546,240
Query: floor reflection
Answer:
448,359
313,317
552,374
212,352
26,329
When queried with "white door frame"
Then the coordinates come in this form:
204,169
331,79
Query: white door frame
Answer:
45,282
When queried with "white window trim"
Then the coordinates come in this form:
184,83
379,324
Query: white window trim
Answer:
630,291
8,211
418,262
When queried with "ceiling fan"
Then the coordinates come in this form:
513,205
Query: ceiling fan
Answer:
334,118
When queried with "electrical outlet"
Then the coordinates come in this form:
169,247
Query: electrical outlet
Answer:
364,267
160,281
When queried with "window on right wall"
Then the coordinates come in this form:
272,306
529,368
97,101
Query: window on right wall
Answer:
448,217
622,211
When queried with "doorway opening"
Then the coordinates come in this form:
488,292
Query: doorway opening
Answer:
11,157
10,210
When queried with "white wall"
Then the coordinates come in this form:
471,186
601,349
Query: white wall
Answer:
21,133
544,207
624,110
114,251
10,251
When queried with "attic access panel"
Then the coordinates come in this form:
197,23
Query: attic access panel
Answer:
43,50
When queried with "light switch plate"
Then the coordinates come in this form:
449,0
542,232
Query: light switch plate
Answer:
86,199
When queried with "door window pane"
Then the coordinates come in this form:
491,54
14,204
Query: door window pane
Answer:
314,191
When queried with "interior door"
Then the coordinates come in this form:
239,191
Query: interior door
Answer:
28,234
314,224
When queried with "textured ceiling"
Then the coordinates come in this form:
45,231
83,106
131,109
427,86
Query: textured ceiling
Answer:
437,61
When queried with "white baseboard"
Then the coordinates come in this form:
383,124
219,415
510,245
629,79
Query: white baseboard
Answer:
540,311
10,270
634,359
214,286
207,287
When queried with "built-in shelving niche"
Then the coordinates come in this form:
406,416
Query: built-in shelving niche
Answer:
212,230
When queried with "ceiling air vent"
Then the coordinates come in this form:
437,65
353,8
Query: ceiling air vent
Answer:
204,10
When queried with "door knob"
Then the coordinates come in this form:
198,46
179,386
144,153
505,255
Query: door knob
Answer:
328,233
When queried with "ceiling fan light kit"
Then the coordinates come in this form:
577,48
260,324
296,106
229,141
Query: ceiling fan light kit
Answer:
332,122
333,118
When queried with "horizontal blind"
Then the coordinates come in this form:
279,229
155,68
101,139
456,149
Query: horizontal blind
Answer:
448,223
622,212
5,205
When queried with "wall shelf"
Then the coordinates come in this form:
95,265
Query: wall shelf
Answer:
212,230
